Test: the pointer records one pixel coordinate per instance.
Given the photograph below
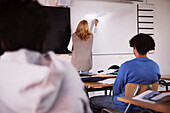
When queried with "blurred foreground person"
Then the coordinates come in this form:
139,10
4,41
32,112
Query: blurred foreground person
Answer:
30,81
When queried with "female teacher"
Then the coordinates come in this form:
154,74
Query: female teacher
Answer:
82,42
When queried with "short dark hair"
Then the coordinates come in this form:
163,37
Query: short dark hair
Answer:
22,24
143,43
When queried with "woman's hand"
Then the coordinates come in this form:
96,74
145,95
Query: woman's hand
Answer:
96,21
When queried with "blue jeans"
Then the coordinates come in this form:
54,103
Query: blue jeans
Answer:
97,103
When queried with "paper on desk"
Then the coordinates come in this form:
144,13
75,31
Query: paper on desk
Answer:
160,96
108,81
152,96
139,97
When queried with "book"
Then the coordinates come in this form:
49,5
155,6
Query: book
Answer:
153,96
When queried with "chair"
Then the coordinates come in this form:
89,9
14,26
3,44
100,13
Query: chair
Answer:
132,89
113,67
164,83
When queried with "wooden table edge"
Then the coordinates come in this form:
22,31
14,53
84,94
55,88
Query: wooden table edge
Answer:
96,84
154,106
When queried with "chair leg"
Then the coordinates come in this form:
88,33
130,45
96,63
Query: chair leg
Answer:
106,110
127,108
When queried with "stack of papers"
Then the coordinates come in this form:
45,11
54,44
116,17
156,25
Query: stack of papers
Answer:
108,81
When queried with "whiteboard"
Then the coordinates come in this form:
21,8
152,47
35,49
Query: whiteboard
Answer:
117,24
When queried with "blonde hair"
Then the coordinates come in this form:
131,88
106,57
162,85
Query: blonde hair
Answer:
82,30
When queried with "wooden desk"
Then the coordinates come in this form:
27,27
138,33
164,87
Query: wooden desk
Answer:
100,75
165,77
160,107
96,86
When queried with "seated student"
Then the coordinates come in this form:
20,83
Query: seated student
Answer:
32,82
140,70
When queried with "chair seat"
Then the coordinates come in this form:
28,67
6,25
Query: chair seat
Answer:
132,89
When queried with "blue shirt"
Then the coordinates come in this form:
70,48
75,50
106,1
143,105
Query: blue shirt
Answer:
139,70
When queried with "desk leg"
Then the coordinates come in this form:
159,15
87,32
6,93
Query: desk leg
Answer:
105,91
110,92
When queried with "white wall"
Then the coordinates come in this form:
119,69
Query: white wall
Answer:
161,36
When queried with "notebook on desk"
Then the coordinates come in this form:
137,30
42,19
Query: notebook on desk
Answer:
153,96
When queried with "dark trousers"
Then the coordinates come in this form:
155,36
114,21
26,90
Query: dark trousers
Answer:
97,103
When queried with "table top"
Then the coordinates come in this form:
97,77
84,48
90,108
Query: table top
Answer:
165,77
160,107
97,84
100,75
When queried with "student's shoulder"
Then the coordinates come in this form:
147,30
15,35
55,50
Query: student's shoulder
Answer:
154,63
129,62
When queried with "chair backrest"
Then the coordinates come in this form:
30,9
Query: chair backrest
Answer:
132,89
